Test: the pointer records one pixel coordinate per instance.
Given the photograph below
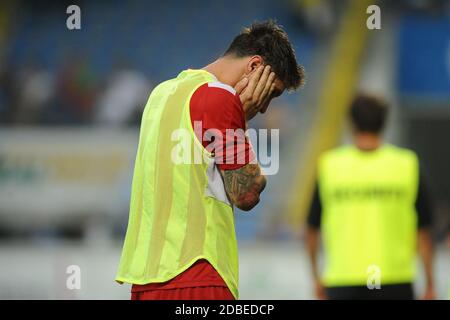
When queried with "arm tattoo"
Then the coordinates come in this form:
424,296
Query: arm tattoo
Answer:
244,185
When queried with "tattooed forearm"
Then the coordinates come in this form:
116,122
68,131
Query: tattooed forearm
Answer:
244,185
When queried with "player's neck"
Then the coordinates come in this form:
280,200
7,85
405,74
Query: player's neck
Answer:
367,141
224,69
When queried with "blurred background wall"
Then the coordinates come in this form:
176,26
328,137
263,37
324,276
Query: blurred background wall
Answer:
70,105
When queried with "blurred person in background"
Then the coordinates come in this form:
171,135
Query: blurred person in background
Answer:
76,93
125,94
7,93
181,242
372,207
35,90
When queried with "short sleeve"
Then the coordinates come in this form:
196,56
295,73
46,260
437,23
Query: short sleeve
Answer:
315,212
423,203
217,110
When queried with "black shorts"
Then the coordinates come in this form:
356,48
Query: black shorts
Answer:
402,291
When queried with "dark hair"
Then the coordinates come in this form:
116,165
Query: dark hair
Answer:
271,42
368,113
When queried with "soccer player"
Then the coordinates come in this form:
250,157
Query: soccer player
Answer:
181,242
372,207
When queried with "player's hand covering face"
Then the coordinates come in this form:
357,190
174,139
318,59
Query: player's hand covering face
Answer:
256,91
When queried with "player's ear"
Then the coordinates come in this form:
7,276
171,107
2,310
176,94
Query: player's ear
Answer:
253,63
